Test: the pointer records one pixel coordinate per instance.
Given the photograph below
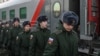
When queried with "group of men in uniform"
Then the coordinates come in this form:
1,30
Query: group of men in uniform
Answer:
21,41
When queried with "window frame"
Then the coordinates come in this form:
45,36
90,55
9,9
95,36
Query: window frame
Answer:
12,15
4,16
23,16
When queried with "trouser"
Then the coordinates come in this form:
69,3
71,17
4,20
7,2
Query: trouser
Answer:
12,50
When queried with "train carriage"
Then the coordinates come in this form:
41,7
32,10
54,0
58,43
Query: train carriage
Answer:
32,9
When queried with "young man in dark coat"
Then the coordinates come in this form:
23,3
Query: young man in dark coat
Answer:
64,42
41,36
23,40
15,30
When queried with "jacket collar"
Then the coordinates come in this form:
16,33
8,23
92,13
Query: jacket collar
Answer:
45,29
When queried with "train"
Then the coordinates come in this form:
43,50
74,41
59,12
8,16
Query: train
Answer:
32,9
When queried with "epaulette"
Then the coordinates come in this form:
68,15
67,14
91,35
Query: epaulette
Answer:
58,31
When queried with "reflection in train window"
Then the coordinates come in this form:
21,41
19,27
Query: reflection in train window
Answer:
12,14
3,15
57,9
23,12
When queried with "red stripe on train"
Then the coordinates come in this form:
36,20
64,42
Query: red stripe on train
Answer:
37,12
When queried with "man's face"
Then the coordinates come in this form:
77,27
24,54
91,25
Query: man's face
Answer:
68,27
3,25
16,23
7,25
27,27
43,24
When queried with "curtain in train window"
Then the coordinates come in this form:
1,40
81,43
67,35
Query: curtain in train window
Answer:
12,14
23,13
94,8
3,15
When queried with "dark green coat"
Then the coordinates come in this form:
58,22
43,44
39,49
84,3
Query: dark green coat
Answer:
99,54
39,41
7,36
12,41
2,36
23,43
62,43
14,32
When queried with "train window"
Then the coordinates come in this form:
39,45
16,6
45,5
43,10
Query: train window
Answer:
12,14
57,9
23,12
2,1
94,7
3,15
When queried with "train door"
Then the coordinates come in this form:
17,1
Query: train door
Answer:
74,5
56,12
